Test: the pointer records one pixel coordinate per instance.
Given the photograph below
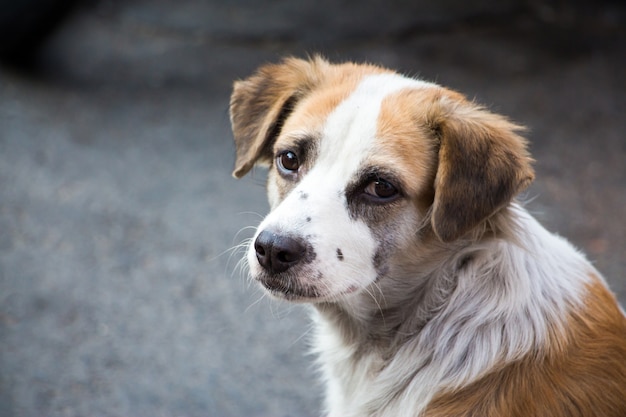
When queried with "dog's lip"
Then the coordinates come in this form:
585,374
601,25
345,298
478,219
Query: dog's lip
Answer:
284,287
289,290
276,282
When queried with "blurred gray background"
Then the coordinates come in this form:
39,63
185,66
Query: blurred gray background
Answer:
119,288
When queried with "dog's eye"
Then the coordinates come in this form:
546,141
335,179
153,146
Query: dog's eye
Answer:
287,162
381,189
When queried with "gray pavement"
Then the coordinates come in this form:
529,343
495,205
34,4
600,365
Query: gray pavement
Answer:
120,292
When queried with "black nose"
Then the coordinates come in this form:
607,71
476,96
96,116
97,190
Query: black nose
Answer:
278,253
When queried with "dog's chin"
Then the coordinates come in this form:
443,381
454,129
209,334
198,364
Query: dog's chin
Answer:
290,289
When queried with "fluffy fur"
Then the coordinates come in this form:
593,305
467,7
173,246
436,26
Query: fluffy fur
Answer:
434,293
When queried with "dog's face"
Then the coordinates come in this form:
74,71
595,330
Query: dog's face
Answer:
365,166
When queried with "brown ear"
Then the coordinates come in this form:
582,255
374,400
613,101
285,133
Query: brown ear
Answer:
483,164
260,105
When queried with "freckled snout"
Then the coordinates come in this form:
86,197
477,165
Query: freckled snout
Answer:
277,253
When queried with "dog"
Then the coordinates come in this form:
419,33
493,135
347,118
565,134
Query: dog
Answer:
434,292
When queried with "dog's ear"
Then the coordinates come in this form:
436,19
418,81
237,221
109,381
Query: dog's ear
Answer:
482,164
260,104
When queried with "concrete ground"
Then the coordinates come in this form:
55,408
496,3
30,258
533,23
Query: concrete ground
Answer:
120,292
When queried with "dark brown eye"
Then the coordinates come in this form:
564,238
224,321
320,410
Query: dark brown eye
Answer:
381,189
287,162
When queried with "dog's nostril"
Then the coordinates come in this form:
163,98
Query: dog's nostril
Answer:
278,253
260,250
286,257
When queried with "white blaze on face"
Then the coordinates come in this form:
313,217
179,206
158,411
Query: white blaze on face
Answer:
316,209
350,130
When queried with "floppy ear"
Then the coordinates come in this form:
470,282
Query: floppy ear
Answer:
260,105
483,164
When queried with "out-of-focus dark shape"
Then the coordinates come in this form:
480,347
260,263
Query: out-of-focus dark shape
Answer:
25,25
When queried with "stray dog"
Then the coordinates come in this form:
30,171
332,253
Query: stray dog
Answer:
435,293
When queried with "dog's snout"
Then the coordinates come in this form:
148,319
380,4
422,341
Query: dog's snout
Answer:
278,253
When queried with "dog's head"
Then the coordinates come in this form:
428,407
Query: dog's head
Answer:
364,164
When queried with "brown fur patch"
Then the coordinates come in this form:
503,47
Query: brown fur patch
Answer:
261,103
406,143
339,81
483,164
582,374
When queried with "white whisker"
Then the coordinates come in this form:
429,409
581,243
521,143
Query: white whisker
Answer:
262,296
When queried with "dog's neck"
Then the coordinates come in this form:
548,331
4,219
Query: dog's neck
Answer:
401,304
391,312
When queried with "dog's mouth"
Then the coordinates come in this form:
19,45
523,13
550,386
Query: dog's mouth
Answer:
289,287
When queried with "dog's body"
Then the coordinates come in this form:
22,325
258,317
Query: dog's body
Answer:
435,293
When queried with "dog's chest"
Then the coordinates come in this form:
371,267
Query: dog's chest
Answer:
348,373
361,378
